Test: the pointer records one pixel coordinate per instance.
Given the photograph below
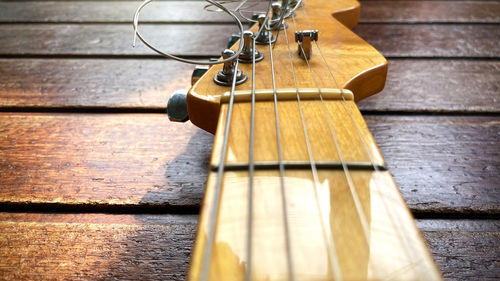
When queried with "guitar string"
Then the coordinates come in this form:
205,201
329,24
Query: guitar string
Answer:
327,238
291,275
357,202
389,210
248,272
367,150
207,257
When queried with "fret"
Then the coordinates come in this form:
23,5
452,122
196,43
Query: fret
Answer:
293,139
301,165
386,256
394,248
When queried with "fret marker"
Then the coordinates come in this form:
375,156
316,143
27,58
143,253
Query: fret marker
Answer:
304,40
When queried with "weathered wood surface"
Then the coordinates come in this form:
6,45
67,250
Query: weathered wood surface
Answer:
455,175
444,86
438,86
143,160
192,11
111,247
422,40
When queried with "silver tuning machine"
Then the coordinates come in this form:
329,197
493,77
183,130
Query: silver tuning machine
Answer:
304,40
263,38
225,76
276,8
248,51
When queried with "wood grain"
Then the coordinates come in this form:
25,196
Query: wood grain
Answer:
444,86
430,11
99,246
145,161
102,159
438,86
423,40
422,145
192,11
432,40
76,83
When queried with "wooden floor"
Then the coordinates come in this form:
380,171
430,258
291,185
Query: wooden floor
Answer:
96,184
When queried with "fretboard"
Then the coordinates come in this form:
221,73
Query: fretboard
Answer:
311,201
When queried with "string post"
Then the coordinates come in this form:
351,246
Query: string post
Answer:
275,19
263,38
248,51
304,40
225,76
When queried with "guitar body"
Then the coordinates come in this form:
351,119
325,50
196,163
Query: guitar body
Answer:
297,188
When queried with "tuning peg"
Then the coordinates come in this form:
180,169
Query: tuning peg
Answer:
177,107
198,71
263,38
232,40
225,76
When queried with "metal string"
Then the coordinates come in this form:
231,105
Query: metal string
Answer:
365,147
218,186
137,34
350,183
291,275
248,273
375,166
354,193
327,236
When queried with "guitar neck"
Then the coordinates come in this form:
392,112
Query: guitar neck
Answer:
305,197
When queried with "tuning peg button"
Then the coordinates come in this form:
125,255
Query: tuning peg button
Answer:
177,107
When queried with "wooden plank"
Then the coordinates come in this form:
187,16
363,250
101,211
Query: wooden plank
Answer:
108,11
157,247
444,86
125,160
464,249
432,40
450,154
95,247
118,83
441,164
438,86
430,11
422,40
113,39
192,11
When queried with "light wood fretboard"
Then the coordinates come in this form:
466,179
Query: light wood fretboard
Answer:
297,188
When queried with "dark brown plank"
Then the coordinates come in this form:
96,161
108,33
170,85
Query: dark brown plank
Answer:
459,156
117,83
412,85
430,11
432,40
441,164
192,11
95,247
437,40
464,249
125,159
149,247
108,11
438,86
113,39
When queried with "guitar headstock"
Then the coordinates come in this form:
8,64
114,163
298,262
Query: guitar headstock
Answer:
340,59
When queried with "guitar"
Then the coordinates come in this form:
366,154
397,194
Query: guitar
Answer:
297,188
